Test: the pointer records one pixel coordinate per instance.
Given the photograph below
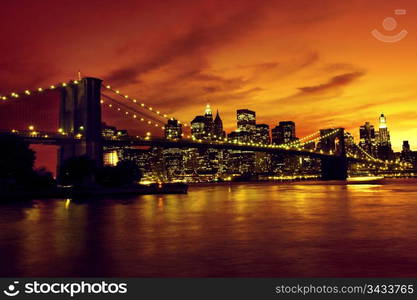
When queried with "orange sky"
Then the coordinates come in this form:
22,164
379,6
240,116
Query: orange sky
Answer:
313,62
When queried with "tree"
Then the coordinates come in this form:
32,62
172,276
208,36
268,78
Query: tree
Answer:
125,173
129,172
78,171
108,176
43,179
16,161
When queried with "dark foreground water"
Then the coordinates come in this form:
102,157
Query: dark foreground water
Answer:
243,230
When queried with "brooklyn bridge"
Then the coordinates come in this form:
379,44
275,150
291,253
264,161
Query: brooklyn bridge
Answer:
80,122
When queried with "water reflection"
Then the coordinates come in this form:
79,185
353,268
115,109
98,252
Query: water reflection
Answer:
223,230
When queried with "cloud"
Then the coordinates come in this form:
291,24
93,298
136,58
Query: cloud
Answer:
201,39
334,82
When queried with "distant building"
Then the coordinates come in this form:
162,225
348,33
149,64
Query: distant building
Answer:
408,156
199,127
111,131
173,130
406,147
112,155
384,142
384,137
262,134
203,127
208,115
284,133
218,127
367,137
246,120
173,162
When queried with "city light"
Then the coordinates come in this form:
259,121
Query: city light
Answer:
248,138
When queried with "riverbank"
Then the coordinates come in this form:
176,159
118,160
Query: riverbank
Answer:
96,192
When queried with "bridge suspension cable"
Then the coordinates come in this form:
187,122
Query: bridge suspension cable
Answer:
295,143
29,92
386,162
142,105
124,106
132,116
319,138
367,154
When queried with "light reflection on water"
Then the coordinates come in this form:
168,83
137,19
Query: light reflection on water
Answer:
221,230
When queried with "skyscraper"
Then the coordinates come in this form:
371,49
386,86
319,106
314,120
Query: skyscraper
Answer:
262,134
246,120
384,143
367,137
384,138
284,133
218,127
173,130
408,156
202,126
406,146
209,120
199,128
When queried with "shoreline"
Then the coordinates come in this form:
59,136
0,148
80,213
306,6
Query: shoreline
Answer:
97,192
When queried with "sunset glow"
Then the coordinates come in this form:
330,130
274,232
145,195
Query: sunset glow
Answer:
313,62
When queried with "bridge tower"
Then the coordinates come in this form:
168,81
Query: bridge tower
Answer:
335,167
80,113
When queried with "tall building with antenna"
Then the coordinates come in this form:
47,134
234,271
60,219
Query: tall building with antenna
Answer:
384,138
384,142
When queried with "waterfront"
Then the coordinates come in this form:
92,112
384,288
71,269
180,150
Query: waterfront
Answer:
242,230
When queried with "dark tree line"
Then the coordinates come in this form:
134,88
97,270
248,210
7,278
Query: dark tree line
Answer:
17,163
17,172
82,171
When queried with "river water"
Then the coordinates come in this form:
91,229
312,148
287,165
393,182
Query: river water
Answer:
239,230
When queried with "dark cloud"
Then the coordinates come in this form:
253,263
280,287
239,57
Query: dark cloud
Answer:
334,82
198,41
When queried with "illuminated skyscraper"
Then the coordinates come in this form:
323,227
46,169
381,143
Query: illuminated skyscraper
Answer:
246,120
209,120
208,113
384,143
284,133
409,156
202,127
384,138
367,137
198,127
173,130
262,134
